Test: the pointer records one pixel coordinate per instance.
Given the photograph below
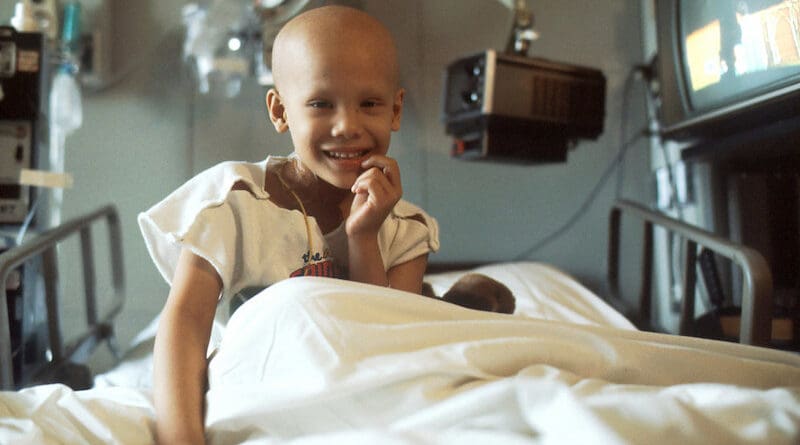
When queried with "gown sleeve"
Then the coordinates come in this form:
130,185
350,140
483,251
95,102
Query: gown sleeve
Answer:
408,233
203,216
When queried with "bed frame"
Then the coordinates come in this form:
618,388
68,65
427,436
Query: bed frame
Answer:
756,297
755,324
66,360
755,319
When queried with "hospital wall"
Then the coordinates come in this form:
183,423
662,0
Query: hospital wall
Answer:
148,131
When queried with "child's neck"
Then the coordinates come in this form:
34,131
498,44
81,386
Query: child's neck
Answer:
328,204
313,188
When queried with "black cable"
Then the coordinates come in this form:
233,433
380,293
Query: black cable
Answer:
637,72
674,251
623,126
586,203
645,74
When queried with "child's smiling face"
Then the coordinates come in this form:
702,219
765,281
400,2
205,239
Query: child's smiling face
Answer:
337,84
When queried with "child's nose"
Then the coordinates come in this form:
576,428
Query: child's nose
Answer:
347,124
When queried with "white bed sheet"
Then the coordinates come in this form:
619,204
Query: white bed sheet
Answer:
342,362
543,292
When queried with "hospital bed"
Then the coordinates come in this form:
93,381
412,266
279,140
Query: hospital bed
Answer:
66,356
317,360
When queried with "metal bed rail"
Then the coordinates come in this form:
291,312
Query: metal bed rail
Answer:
756,300
45,245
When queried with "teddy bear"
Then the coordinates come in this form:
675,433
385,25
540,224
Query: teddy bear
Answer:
477,291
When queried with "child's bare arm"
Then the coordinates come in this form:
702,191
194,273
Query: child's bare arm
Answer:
180,351
408,276
377,191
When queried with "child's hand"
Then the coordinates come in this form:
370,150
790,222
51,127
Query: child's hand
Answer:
376,191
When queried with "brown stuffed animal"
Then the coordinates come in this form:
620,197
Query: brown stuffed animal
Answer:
477,291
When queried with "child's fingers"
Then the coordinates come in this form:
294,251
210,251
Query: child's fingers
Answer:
374,174
388,166
377,191
375,183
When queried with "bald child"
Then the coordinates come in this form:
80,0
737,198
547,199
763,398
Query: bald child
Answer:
332,208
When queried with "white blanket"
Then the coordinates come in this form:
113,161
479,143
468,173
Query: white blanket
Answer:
321,358
321,361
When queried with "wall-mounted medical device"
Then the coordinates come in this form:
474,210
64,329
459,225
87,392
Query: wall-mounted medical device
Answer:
510,107
22,76
23,128
96,42
228,40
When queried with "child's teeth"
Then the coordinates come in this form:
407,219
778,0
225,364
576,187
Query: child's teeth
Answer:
345,155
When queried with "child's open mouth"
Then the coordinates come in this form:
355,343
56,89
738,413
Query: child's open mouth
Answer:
346,155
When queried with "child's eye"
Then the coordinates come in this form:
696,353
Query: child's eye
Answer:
319,104
370,103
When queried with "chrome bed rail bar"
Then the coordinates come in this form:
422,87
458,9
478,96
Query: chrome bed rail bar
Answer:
756,298
45,245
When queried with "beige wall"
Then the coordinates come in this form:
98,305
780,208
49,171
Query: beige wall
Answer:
148,132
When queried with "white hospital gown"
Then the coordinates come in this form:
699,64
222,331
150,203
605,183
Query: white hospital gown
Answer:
250,241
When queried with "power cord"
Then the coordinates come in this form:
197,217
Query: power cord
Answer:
639,72
586,203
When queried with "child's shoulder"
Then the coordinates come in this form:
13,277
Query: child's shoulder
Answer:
211,187
412,214
405,209
233,171
218,180
409,232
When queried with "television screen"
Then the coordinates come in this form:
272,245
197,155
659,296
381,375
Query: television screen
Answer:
737,49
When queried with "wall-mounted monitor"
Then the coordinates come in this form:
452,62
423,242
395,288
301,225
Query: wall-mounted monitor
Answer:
727,66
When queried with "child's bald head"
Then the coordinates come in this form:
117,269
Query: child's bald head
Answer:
330,30
336,91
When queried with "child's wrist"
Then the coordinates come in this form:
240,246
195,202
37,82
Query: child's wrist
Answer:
363,234
364,239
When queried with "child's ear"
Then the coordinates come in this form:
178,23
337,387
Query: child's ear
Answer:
397,109
276,110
